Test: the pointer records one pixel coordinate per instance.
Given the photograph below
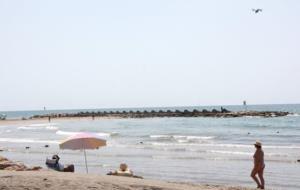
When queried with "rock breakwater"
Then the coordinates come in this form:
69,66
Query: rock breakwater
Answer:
166,113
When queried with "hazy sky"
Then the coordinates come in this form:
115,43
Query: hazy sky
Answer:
102,54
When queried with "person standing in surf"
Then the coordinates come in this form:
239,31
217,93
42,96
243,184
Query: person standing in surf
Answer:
259,166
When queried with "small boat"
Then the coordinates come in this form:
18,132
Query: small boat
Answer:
2,116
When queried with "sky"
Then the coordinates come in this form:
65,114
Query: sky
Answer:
112,54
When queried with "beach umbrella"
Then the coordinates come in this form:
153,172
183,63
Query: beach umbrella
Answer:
83,141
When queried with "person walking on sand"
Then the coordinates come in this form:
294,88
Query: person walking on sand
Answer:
259,166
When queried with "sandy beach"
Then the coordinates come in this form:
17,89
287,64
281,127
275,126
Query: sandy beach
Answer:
55,180
16,175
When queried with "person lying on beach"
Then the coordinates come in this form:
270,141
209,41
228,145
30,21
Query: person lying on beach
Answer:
55,165
124,171
259,166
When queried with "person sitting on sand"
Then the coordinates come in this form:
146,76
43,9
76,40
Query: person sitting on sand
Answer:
122,171
259,166
54,164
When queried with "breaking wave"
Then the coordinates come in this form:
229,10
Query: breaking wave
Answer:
70,133
181,137
293,115
42,126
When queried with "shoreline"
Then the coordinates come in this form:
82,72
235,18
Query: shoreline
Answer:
45,120
59,180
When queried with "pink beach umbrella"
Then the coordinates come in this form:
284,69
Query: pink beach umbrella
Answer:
83,141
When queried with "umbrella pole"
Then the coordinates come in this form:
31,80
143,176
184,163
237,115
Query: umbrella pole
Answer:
86,167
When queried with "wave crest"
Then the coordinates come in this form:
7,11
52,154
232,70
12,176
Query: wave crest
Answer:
182,138
41,126
70,133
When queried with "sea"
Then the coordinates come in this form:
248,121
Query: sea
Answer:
197,150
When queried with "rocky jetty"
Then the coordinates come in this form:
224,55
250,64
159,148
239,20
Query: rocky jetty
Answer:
9,165
166,113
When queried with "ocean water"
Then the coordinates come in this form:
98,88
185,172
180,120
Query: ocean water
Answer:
199,150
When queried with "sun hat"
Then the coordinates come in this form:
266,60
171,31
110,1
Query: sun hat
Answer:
258,143
56,157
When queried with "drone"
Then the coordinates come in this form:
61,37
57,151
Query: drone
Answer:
257,10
